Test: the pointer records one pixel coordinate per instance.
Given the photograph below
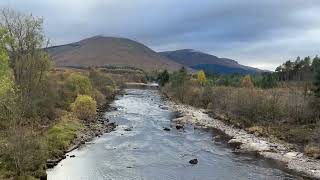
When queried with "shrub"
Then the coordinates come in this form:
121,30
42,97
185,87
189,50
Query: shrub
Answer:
60,135
313,150
163,78
100,80
201,77
84,107
99,97
256,130
247,82
24,150
79,84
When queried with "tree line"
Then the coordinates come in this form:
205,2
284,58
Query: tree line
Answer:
36,99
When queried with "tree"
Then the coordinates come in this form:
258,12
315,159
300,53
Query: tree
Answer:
6,84
202,77
247,82
317,84
163,78
28,60
6,81
179,78
315,64
267,80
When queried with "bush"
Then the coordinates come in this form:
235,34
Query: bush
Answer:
99,97
163,78
100,80
313,150
247,82
84,107
60,135
79,84
201,76
24,150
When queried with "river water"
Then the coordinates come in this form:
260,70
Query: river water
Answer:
150,153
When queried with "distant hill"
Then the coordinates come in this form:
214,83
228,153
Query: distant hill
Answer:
207,62
109,51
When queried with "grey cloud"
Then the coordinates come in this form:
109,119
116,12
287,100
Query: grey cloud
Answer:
251,32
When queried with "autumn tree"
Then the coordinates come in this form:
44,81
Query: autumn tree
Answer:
6,83
247,82
30,63
202,77
5,72
24,92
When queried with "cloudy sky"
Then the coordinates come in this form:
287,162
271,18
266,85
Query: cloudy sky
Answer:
259,33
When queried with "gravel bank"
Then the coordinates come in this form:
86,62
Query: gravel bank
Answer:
247,142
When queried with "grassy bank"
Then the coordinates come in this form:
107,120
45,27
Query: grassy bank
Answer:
283,114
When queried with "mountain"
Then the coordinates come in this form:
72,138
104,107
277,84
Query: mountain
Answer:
207,62
110,51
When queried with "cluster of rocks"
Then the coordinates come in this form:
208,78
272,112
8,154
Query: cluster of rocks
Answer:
243,141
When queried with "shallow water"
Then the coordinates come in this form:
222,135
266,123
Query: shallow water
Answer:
150,153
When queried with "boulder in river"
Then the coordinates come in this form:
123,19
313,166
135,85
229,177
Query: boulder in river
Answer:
179,126
193,161
166,129
128,129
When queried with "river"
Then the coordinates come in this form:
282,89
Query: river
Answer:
147,152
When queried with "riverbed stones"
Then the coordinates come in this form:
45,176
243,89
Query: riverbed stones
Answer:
249,142
166,129
255,146
292,155
179,126
193,161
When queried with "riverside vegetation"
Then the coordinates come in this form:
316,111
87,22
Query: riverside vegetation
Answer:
284,105
43,109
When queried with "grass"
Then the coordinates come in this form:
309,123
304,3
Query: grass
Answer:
60,135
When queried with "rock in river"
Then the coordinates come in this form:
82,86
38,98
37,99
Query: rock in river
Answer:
166,129
193,161
128,129
179,126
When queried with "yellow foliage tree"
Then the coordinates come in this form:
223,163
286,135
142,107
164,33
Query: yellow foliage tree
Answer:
6,81
202,77
247,82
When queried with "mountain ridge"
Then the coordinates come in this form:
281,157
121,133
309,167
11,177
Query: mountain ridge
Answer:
207,62
110,51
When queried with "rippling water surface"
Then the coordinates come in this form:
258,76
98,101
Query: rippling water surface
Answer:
150,153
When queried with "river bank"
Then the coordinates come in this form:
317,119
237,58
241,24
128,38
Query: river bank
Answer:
89,131
246,142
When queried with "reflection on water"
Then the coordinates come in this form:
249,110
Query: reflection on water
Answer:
148,152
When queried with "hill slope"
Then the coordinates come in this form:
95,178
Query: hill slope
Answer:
109,51
207,62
